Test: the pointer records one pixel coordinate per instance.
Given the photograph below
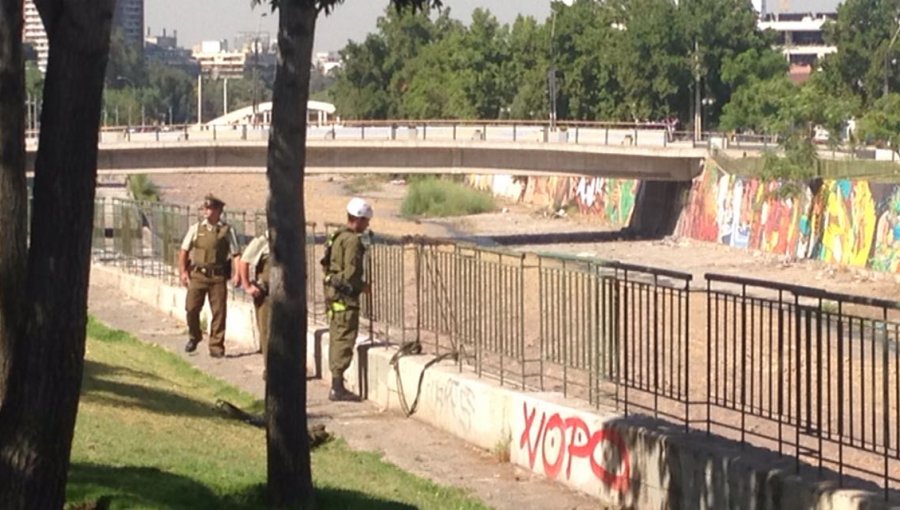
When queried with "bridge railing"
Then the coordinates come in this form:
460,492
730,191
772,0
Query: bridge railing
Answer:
626,134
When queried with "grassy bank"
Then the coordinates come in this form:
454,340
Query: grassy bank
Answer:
148,436
439,197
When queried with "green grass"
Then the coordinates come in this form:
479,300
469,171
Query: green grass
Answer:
441,197
148,437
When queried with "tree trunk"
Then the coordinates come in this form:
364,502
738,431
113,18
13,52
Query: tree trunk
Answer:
289,472
13,198
37,419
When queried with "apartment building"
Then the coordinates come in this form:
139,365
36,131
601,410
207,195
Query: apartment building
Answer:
34,34
128,17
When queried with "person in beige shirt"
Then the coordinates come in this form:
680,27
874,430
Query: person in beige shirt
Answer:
209,255
256,256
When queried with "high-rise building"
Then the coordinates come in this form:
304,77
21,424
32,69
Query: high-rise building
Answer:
34,34
129,18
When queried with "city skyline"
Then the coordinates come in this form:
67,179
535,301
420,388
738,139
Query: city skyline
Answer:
352,20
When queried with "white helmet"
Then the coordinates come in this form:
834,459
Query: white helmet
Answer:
359,208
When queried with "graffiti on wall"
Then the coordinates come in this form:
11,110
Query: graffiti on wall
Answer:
886,251
456,400
563,445
853,223
610,200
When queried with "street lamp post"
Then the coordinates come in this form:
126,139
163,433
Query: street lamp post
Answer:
133,88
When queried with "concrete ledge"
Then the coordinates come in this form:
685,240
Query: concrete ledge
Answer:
631,462
240,332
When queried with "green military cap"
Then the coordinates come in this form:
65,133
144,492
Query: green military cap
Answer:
211,200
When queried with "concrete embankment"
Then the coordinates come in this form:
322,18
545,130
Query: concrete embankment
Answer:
629,462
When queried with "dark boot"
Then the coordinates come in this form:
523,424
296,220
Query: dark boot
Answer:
339,393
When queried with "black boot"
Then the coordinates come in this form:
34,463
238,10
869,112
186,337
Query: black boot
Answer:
339,393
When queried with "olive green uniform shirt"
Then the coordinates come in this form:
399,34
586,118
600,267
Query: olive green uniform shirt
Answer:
348,265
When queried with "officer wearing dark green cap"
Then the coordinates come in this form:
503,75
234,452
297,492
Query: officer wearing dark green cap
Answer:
208,257
344,282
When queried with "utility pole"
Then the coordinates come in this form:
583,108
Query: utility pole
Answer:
551,74
698,121
225,96
200,99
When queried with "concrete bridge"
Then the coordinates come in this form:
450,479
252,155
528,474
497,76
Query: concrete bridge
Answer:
611,150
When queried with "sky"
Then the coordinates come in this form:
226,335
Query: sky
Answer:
201,20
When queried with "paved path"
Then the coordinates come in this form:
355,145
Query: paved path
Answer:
410,444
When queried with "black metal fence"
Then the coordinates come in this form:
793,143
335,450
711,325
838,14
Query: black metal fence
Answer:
622,329
803,372
811,373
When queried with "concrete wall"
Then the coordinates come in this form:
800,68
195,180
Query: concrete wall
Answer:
239,324
853,223
629,462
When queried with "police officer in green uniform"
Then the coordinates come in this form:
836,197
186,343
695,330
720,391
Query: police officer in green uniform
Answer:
209,255
344,282
256,255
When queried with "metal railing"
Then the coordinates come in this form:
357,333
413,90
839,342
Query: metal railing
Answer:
623,329
814,373
803,372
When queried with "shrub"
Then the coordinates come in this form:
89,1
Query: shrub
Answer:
140,187
438,198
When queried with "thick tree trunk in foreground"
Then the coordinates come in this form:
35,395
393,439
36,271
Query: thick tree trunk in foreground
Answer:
13,199
37,418
289,472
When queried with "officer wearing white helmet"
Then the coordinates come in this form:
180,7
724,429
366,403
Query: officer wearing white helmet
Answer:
344,270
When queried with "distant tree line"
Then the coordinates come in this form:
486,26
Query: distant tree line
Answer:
627,60
139,91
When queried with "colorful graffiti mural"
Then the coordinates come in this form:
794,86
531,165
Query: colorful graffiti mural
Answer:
610,200
853,223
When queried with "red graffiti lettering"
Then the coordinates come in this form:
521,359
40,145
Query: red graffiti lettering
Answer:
562,440
576,425
525,440
552,469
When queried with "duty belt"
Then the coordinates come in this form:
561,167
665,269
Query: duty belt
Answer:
210,271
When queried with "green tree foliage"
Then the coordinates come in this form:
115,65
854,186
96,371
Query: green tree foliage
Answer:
756,105
881,123
802,114
360,90
125,62
721,30
526,69
650,64
862,32
169,96
241,93
581,39
617,59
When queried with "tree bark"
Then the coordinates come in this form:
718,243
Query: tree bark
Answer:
13,194
289,470
37,419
